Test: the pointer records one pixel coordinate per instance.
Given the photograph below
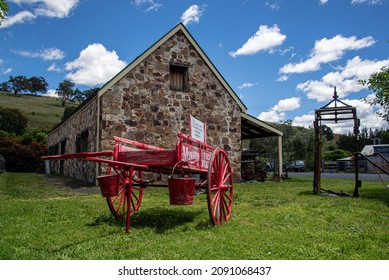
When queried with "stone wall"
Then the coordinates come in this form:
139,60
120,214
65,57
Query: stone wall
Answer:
142,107
85,118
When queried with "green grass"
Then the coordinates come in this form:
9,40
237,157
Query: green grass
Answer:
41,111
46,217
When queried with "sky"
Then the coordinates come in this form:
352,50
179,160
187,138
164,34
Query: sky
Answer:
283,58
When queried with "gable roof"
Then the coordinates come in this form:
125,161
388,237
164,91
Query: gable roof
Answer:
178,27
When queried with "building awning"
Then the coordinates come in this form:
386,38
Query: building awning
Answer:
255,128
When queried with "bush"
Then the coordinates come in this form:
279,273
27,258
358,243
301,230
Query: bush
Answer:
336,154
21,157
13,120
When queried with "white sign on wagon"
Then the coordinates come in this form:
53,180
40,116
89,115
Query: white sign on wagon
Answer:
197,129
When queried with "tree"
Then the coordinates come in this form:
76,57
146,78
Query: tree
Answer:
4,86
13,120
3,10
327,132
90,92
379,83
65,91
18,84
37,84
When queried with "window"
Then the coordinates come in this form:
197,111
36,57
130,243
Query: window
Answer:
82,142
179,78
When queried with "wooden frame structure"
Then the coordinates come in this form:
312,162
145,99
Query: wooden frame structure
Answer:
334,111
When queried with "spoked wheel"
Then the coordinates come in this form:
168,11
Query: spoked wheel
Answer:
119,204
220,187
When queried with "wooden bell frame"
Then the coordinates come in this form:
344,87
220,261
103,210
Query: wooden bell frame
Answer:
334,111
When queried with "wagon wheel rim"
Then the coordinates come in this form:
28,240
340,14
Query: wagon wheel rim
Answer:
118,205
220,187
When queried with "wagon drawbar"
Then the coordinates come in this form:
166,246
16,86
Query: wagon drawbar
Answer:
123,184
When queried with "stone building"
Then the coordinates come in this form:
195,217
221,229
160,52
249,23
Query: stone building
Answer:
150,101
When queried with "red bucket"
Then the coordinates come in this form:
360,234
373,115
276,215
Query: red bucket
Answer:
109,185
181,190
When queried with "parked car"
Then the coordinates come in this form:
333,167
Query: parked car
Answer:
296,165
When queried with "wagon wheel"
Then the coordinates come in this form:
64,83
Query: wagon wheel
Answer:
118,204
220,187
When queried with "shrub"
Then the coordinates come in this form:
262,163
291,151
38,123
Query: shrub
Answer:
21,157
336,154
13,120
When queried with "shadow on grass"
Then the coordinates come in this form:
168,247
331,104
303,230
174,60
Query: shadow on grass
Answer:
364,193
159,219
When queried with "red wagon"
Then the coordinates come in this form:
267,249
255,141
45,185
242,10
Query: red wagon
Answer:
124,182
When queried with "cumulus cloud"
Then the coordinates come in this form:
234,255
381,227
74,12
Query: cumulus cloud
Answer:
265,39
277,112
325,51
305,120
272,116
95,65
192,14
323,2
288,104
345,79
51,93
36,8
45,54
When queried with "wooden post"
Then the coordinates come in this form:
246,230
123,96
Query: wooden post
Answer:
280,163
317,167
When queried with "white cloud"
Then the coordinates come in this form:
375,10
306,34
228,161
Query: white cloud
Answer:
35,8
247,85
323,2
283,78
325,51
345,79
51,93
45,54
276,113
55,8
273,6
21,17
304,120
95,65
265,39
149,5
288,104
4,71
272,116
369,2
192,14
54,68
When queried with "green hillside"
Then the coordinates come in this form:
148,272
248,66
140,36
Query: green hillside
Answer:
43,112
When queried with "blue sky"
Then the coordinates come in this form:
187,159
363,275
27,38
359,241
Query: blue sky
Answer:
282,57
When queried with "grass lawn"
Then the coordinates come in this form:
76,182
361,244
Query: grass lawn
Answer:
47,217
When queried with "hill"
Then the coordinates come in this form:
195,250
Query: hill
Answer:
43,112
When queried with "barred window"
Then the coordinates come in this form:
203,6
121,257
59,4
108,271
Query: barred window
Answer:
179,78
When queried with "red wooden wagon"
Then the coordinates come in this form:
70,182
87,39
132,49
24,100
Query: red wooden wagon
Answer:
124,182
